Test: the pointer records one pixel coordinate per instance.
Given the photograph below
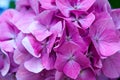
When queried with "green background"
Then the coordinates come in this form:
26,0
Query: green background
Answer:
115,3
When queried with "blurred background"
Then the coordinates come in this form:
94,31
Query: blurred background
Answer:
5,4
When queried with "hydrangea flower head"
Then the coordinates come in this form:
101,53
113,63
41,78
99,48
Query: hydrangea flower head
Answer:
60,40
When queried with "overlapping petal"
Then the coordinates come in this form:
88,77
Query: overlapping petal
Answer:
106,44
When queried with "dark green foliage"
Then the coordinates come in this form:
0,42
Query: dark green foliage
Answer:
115,3
12,4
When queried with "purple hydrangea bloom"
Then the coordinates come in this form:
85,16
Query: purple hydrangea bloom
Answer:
60,40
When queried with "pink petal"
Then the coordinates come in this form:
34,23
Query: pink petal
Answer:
60,62
57,28
87,21
51,42
43,17
6,31
64,7
42,35
48,60
24,22
32,46
71,34
47,4
8,46
39,31
102,6
65,50
100,37
34,65
35,6
107,49
72,69
86,4
81,59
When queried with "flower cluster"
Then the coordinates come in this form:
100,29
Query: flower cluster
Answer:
60,40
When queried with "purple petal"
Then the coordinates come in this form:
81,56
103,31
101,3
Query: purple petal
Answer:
43,17
39,31
81,59
87,21
57,28
48,60
100,37
64,7
23,74
8,46
65,50
116,17
6,67
23,23
34,65
32,46
47,4
19,44
111,66
6,31
20,57
60,62
72,69
102,6
35,6
86,4
59,75
107,49
10,76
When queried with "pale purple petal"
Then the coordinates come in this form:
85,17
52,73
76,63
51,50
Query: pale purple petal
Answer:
6,67
111,66
8,46
20,57
116,17
85,74
34,65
